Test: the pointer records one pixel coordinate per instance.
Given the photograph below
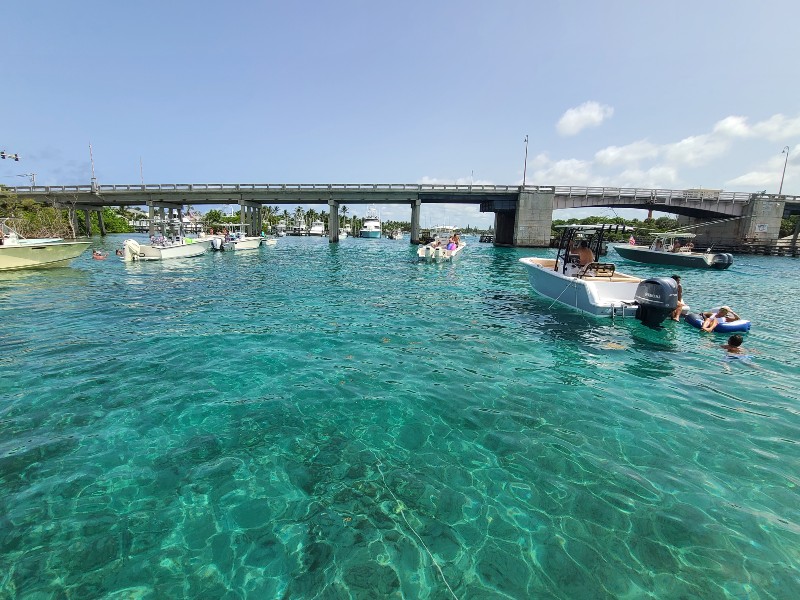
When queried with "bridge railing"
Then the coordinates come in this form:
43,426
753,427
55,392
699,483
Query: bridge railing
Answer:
649,195
658,196
267,187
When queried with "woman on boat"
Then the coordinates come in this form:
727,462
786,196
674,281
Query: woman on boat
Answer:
723,314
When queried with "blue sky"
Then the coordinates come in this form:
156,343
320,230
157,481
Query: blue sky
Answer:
673,95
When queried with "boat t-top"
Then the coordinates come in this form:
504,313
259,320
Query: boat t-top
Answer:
371,227
598,288
675,248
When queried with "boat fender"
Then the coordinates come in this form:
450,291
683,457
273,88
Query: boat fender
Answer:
656,299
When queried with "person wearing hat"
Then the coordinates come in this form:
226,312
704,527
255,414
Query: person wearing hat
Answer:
723,314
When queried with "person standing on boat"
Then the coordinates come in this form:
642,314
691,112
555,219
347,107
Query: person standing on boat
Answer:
676,247
676,314
585,255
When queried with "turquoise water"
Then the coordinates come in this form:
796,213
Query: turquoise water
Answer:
340,421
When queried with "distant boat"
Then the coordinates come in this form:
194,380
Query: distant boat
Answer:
438,250
672,248
317,229
164,246
17,252
371,227
239,240
396,234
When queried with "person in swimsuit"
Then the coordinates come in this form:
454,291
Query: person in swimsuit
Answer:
724,314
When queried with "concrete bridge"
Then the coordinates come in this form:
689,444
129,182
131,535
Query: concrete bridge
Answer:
523,214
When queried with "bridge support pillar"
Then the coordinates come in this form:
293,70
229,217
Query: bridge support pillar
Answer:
415,210
534,217
151,229
333,221
88,224
100,222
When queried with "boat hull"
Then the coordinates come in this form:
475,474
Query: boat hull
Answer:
697,260
597,296
372,234
248,243
137,252
39,255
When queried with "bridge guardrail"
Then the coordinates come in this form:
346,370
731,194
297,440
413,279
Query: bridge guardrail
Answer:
657,196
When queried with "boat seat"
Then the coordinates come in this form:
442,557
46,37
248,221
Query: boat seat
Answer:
598,270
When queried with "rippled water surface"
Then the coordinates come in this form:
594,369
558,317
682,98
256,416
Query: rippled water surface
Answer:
340,421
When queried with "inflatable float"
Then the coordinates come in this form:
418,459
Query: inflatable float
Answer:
696,320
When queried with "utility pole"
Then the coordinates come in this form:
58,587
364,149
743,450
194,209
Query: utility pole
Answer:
525,168
786,160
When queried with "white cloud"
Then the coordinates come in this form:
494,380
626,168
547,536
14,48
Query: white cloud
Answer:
588,114
696,150
778,128
563,172
660,177
759,179
733,126
629,154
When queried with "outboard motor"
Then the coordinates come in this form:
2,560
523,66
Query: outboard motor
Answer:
656,298
216,244
721,261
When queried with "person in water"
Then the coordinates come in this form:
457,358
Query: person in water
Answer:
734,345
724,314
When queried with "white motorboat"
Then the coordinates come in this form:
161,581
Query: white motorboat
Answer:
598,288
317,228
17,252
371,226
163,248
269,241
437,250
166,246
280,229
237,239
396,234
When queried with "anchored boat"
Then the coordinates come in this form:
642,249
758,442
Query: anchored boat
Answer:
17,252
598,288
673,248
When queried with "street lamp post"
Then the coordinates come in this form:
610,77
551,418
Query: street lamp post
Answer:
32,178
525,168
786,160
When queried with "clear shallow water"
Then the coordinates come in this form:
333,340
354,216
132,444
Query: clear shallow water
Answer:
322,421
